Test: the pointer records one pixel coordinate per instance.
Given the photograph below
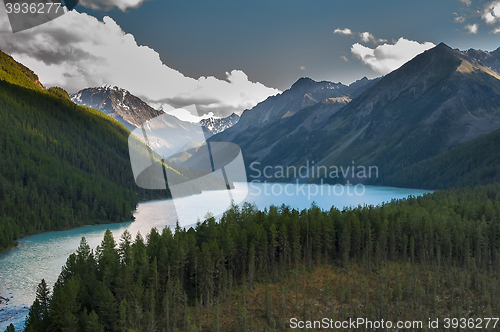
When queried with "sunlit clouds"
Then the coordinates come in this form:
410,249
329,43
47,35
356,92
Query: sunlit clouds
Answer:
93,53
387,57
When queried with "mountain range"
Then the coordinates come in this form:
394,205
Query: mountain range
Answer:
431,111
133,113
434,103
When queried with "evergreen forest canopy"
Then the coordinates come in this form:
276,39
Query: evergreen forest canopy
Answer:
431,256
62,165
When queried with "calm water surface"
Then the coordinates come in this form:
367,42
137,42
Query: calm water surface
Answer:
43,255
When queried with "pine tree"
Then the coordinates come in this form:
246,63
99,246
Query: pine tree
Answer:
107,308
38,316
125,249
10,328
64,306
91,322
43,296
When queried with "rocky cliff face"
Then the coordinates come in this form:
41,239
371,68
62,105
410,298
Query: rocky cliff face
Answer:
218,125
166,133
132,112
118,104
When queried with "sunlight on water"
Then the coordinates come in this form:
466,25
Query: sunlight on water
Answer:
43,255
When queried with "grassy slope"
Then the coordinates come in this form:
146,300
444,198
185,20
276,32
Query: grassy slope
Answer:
16,73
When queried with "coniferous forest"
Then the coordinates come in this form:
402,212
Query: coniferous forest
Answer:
478,165
62,165
412,259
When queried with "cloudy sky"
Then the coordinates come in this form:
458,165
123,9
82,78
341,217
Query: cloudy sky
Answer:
227,55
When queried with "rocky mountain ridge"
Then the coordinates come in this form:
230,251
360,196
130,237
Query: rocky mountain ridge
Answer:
218,125
118,104
439,100
132,112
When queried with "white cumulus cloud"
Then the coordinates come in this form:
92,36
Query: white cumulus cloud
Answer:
93,52
345,31
459,19
472,28
491,12
109,4
387,57
366,37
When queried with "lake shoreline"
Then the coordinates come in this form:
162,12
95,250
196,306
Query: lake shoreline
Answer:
5,250
10,247
146,201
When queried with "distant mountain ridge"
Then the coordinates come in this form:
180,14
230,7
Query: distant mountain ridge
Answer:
270,121
132,112
303,93
489,59
218,125
118,104
166,133
441,99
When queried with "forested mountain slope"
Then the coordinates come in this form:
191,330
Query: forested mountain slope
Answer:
13,72
471,164
62,165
